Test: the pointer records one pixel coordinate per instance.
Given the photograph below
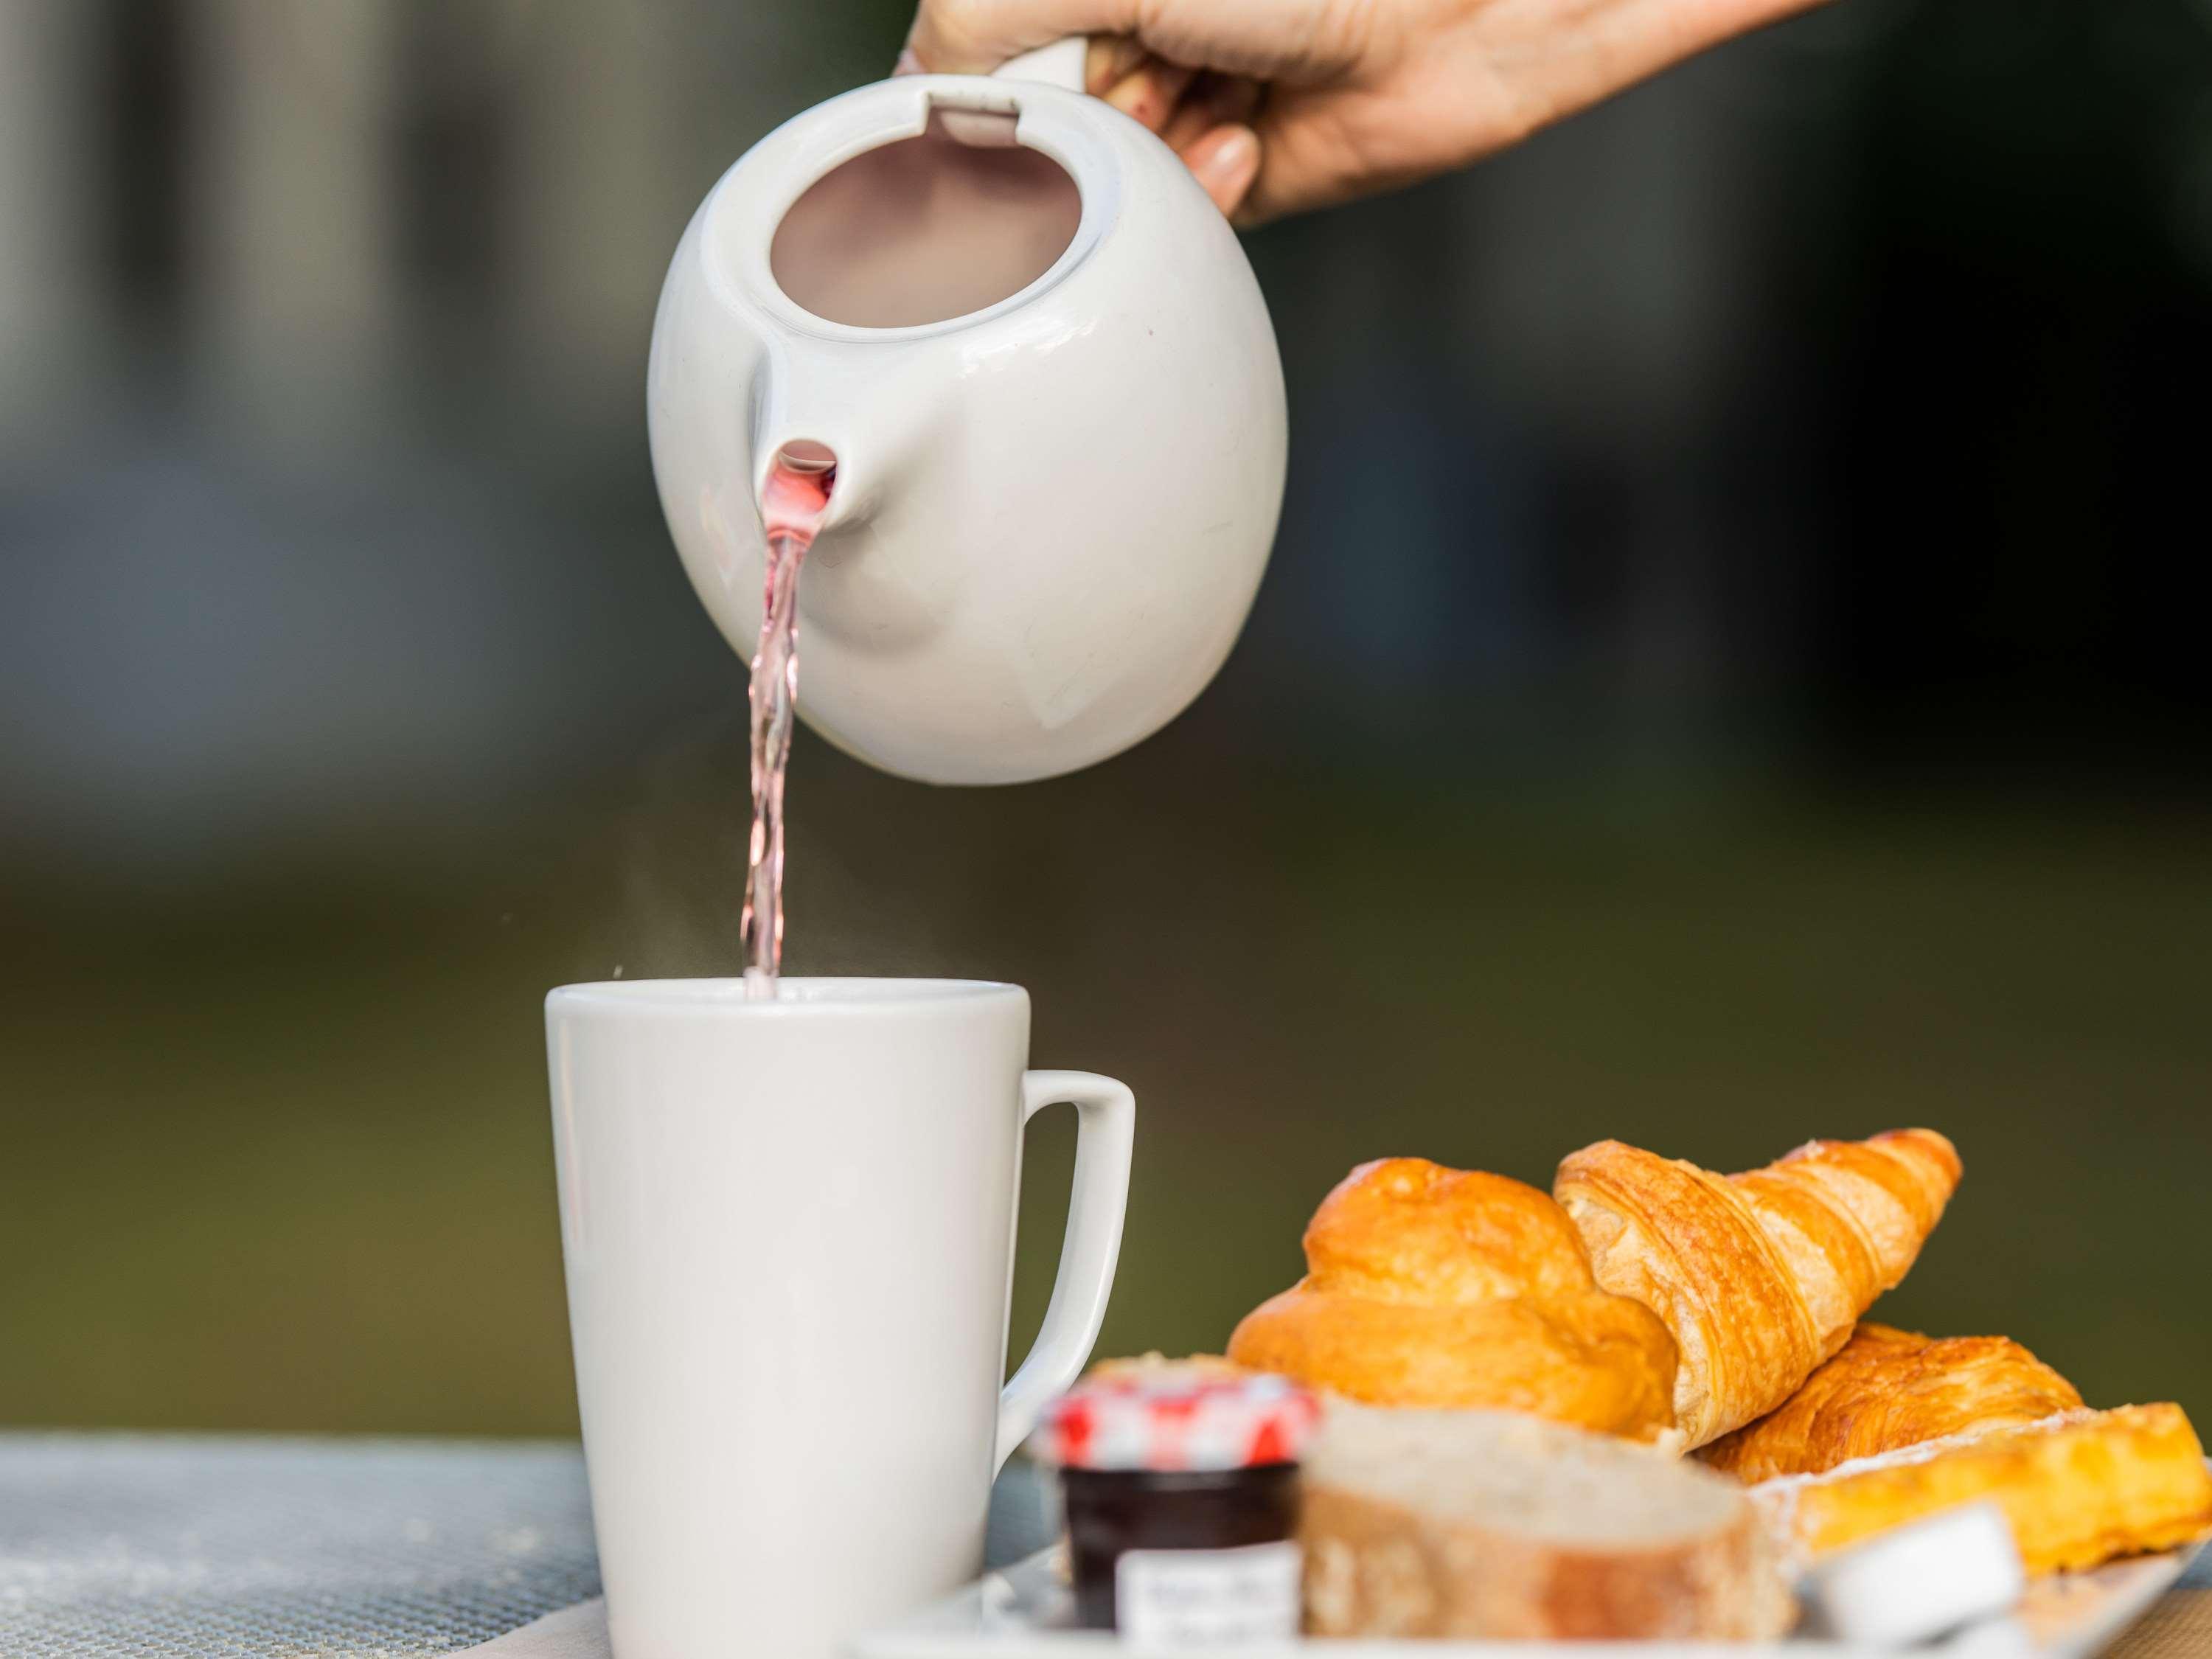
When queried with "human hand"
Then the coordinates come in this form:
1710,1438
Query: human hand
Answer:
1282,105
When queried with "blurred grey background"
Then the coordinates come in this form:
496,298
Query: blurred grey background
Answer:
1727,675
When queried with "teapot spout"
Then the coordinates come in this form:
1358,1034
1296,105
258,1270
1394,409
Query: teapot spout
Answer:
794,498
852,438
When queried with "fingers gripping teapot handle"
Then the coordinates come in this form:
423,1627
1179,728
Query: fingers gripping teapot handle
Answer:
1059,64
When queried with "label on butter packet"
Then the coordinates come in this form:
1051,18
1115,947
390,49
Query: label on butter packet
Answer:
1207,1598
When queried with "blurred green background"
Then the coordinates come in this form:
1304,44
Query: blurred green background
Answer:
1725,677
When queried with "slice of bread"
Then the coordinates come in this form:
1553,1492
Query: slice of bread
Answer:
1492,1525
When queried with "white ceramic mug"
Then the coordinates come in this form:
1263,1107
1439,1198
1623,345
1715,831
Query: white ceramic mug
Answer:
788,1226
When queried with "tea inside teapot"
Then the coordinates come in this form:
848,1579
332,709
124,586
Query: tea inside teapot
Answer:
926,228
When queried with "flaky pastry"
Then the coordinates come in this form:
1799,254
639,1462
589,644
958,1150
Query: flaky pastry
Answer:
1888,1389
1430,1286
1760,1276
2078,1489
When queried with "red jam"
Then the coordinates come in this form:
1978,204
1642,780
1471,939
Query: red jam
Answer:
1111,1511
1181,1484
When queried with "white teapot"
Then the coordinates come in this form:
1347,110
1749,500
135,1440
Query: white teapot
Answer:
1046,375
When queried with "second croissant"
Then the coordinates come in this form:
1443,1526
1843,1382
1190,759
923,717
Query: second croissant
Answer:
1761,1276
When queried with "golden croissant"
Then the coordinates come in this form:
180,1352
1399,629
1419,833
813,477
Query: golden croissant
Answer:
1888,1389
1761,1276
2077,1489
1430,1286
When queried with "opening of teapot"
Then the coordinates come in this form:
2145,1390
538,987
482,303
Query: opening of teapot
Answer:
927,229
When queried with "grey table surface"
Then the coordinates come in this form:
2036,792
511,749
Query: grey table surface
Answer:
145,1547
152,1546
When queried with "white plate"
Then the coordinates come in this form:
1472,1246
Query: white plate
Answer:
1022,1613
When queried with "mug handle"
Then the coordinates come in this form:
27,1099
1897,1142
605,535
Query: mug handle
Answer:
1059,64
1105,1129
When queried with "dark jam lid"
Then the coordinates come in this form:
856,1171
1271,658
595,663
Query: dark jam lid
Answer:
1176,1417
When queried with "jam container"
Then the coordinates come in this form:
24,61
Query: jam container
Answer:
1182,1498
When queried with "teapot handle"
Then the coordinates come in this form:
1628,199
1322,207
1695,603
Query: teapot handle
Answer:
1059,64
